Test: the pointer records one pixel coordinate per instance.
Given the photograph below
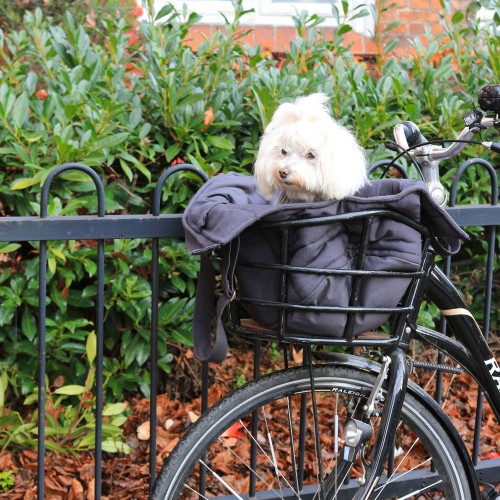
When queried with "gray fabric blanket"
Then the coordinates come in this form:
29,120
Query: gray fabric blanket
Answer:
226,208
229,203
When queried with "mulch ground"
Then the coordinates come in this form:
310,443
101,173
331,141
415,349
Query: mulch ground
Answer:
126,477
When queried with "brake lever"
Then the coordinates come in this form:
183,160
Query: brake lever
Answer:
392,146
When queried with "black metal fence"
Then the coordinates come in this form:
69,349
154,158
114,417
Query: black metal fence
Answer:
154,226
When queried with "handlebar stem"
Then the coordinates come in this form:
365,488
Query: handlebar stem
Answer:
430,158
430,171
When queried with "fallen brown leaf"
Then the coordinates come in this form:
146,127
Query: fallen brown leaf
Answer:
144,431
76,491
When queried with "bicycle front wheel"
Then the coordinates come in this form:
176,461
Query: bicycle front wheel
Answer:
273,439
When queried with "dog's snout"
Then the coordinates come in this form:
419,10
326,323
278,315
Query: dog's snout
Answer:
283,172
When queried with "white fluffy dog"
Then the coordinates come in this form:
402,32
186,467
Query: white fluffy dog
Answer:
307,156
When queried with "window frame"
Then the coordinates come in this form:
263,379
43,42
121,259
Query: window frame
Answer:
267,12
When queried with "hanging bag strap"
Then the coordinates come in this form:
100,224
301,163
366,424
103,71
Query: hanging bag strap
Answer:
204,305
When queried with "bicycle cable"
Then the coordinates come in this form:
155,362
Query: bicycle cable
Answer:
405,151
394,146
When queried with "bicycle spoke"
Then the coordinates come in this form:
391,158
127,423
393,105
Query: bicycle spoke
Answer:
269,459
219,478
421,490
274,461
402,475
389,479
317,442
196,492
251,469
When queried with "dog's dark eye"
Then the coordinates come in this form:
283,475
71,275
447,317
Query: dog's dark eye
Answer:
283,152
311,156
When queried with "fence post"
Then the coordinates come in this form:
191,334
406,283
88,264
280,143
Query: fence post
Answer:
99,330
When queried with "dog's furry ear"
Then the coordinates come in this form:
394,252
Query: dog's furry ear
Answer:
285,114
318,99
343,163
265,186
262,171
289,112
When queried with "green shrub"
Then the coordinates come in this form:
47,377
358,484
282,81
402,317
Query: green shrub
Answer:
86,11
6,480
130,101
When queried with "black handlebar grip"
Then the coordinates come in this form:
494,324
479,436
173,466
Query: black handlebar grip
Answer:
495,146
413,134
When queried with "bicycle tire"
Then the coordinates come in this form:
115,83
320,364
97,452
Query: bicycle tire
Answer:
282,389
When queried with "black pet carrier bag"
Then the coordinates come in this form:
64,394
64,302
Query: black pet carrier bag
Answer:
320,272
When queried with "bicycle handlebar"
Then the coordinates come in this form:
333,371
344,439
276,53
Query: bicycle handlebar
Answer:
408,136
410,140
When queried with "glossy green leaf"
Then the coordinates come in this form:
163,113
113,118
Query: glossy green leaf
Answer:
220,142
70,390
20,110
114,409
91,347
29,325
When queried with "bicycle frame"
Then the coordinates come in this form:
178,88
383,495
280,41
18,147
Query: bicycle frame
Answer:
470,349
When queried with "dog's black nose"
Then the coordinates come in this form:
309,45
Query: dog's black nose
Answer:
283,173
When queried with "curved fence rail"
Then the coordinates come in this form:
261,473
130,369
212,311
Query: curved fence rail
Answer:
154,226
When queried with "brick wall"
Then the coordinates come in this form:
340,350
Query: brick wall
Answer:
414,17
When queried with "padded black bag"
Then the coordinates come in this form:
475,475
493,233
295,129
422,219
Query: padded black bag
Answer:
227,213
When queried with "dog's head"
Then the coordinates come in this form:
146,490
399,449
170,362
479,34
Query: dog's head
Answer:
307,155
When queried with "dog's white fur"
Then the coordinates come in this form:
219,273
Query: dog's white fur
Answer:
307,156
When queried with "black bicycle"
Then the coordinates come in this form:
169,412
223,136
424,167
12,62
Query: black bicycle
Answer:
343,425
